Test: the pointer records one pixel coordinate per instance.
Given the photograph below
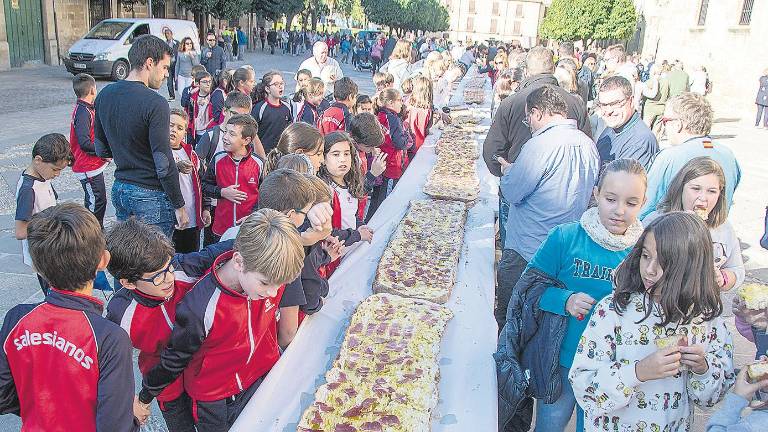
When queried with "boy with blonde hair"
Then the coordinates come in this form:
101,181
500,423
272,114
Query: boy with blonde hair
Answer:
224,338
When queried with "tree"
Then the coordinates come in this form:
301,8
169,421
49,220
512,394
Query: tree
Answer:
621,23
589,19
349,9
425,15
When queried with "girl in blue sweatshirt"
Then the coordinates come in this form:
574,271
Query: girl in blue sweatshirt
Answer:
582,255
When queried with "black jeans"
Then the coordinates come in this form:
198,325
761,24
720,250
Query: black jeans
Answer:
186,240
178,414
378,195
511,267
762,111
209,237
171,80
220,415
95,196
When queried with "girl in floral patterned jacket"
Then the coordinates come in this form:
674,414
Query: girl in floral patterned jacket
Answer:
657,345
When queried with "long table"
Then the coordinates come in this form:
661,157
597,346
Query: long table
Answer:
468,396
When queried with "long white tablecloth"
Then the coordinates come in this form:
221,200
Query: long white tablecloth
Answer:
467,369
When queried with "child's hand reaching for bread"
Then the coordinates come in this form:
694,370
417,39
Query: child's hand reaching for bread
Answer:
746,389
755,318
366,233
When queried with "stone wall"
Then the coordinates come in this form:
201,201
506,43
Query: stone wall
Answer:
734,55
72,19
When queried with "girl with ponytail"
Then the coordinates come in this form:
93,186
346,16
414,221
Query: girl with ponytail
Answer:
271,113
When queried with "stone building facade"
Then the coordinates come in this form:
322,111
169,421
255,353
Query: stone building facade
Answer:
41,31
728,37
502,20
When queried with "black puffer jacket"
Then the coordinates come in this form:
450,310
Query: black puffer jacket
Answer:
528,353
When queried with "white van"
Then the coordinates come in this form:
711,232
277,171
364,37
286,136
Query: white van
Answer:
104,50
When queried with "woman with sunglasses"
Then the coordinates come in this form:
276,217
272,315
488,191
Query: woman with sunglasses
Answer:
187,58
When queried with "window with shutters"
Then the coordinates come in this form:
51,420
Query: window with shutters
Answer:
703,12
470,24
495,8
519,11
472,6
516,28
746,12
494,26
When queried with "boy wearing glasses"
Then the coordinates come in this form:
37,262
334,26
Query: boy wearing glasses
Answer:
223,341
201,116
154,280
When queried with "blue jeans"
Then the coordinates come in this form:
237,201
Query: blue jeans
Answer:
761,342
503,216
150,206
554,417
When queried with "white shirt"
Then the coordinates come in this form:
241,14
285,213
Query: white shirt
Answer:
202,119
317,69
187,185
348,205
44,197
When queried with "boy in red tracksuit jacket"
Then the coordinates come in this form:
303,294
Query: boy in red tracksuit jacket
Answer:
203,116
234,175
368,135
337,115
64,367
224,340
396,142
88,167
154,280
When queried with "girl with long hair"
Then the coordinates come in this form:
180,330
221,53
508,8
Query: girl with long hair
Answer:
299,138
186,59
271,113
341,169
657,345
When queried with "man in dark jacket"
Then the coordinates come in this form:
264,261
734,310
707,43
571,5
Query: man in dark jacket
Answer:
388,48
174,44
508,133
212,56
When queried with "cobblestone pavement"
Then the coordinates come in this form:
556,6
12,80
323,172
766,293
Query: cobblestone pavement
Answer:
35,101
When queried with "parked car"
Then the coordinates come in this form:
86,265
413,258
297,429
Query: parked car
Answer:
103,52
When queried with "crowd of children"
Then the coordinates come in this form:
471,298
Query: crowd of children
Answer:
277,189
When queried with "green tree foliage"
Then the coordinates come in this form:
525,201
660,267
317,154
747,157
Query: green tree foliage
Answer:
621,23
429,15
589,19
425,15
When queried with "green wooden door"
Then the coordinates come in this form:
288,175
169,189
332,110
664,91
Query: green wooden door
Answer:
24,25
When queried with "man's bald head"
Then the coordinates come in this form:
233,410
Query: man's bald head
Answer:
320,51
539,60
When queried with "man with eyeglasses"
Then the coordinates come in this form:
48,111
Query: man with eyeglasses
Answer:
626,135
549,184
212,56
687,121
